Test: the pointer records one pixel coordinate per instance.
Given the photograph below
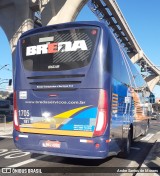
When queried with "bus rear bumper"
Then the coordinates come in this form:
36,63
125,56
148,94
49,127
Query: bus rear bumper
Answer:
69,146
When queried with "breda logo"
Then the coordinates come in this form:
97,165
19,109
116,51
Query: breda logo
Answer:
56,47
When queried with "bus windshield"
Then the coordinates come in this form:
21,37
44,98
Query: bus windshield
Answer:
60,50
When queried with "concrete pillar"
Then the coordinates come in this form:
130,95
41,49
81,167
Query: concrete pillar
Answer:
152,81
16,17
138,56
60,11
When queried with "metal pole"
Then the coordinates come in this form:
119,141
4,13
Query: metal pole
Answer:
4,123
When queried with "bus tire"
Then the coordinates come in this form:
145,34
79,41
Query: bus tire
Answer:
126,148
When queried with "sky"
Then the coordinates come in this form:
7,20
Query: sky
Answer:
143,18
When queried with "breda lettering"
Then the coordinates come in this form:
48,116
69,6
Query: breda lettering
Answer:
56,47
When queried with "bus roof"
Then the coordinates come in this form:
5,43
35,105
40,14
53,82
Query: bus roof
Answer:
63,26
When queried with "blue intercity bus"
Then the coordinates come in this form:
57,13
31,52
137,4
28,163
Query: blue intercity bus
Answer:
76,93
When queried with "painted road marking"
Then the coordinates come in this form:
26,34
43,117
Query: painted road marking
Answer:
16,154
148,137
13,153
28,161
135,148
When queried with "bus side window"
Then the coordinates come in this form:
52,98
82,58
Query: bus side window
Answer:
119,66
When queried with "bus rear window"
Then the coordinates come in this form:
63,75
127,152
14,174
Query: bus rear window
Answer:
61,50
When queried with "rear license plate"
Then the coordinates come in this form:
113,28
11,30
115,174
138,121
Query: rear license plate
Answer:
51,144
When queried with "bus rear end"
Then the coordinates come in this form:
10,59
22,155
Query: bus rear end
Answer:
60,104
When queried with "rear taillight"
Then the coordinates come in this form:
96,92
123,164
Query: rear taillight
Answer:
15,114
102,118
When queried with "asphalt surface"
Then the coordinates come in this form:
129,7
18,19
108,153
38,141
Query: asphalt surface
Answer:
12,157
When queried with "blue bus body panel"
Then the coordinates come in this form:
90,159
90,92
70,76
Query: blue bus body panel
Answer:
70,146
74,111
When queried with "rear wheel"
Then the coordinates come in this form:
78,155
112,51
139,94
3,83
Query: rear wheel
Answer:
126,148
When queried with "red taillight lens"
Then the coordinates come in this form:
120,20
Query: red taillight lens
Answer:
15,114
102,118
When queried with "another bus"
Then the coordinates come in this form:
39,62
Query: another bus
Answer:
76,93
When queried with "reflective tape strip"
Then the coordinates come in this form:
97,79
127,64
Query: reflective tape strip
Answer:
86,141
108,140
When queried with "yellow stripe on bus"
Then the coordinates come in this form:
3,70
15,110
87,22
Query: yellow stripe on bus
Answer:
115,98
57,132
114,94
41,125
114,101
114,105
69,113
